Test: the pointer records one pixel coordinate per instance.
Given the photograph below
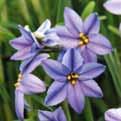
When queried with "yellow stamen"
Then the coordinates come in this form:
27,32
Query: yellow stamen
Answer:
17,84
86,40
81,43
68,77
83,39
72,78
38,35
81,35
73,82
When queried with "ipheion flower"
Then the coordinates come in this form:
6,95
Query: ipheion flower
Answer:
57,115
83,35
26,85
73,80
113,114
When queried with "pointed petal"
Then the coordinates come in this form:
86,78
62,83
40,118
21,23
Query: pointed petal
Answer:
63,32
44,27
56,93
55,69
73,21
99,43
23,54
51,39
61,54
113,114
91,88
88,55
26,34
92,24
19,43
19,104
71,43
32,84
72,59
113,6
66,39
91,70
75,97
30,64
59,114
45,115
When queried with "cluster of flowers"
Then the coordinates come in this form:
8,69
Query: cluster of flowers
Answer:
73,72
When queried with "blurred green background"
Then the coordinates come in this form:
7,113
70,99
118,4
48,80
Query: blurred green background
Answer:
33,13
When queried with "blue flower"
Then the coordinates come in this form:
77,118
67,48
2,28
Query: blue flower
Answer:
113,114
113,6
29,44
83,35
57,115
73,80
26,84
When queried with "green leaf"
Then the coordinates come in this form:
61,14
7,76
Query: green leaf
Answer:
88,116
114,30
88,9
114,65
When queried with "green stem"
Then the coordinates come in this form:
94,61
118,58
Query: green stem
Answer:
66,110
88,111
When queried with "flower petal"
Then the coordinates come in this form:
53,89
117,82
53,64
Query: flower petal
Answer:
56,93
113,114
26,33
45,115
113,6
32,84
30,64
44,27
61,54
91,88
63,32
99,43
51,39
55,69
59,115
88,55
75,97
92,24
91,70
73,21
19,43
72,59
23,54
19,104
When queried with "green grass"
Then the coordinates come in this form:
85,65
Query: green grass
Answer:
33,13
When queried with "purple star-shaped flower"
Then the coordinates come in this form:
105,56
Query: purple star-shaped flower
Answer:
73,80
113,6
26,84
29,44
113,115
57,115
83,35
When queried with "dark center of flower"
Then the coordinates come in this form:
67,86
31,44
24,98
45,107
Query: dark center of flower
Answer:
72,78
38,36
84,40
18,80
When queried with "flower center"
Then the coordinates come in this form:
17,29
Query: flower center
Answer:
39,36
72,78
17,84
84,40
